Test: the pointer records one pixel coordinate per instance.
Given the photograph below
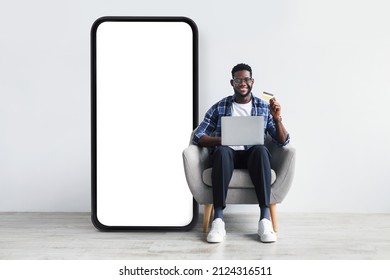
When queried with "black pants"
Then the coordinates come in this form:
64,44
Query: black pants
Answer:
257,160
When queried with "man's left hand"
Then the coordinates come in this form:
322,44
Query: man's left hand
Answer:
275,108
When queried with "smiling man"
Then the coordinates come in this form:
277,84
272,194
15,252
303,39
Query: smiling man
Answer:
224,159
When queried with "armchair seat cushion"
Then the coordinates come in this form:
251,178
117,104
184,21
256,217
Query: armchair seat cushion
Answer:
240,178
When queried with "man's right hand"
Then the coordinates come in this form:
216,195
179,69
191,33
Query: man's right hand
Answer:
209,141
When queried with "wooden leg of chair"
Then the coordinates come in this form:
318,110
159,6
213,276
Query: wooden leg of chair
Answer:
208,211
274,216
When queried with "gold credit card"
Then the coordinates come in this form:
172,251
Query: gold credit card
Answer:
267,96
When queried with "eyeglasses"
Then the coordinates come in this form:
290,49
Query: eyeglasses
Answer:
238,81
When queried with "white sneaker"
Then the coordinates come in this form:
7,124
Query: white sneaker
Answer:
217,232
266,231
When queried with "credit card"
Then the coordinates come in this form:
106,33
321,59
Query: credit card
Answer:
267,96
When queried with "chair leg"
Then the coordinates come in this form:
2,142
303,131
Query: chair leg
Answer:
274,216
208,211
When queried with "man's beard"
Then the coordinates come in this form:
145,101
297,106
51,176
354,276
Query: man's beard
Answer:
238,93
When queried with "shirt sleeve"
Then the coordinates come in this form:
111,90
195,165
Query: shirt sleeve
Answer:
272,131
207,126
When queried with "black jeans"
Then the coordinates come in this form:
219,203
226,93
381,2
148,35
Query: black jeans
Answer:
257,160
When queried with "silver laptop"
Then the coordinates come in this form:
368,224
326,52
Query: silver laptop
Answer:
242,130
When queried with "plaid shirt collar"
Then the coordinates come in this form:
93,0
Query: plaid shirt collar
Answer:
227,105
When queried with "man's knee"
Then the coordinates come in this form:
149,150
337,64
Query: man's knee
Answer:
223,152
259,153
260,150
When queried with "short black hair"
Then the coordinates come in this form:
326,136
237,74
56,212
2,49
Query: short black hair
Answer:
240,67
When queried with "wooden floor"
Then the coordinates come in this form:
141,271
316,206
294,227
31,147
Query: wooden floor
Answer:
60,236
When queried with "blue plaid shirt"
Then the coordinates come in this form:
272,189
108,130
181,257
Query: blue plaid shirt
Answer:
211,124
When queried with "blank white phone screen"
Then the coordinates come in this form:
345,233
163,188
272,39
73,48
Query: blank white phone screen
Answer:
144,119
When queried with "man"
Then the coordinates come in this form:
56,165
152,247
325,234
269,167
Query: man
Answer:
224,159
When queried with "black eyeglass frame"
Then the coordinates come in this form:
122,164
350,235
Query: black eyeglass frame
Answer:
238,81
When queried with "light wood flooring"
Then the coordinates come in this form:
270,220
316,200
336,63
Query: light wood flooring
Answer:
72,236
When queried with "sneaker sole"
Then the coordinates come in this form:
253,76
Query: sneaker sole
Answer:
267,240
215,240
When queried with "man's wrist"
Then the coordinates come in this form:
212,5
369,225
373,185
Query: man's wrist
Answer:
278,119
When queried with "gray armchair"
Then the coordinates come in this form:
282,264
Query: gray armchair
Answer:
241,189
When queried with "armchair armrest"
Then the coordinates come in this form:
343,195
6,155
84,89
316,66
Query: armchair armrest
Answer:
283,163
195,160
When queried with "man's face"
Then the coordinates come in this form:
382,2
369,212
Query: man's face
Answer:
242,83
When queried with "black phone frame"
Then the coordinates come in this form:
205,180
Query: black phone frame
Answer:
195,108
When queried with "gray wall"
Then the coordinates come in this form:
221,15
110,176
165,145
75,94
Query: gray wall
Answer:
327,62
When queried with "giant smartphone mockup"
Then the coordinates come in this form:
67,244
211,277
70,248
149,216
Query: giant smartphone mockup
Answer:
144,74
